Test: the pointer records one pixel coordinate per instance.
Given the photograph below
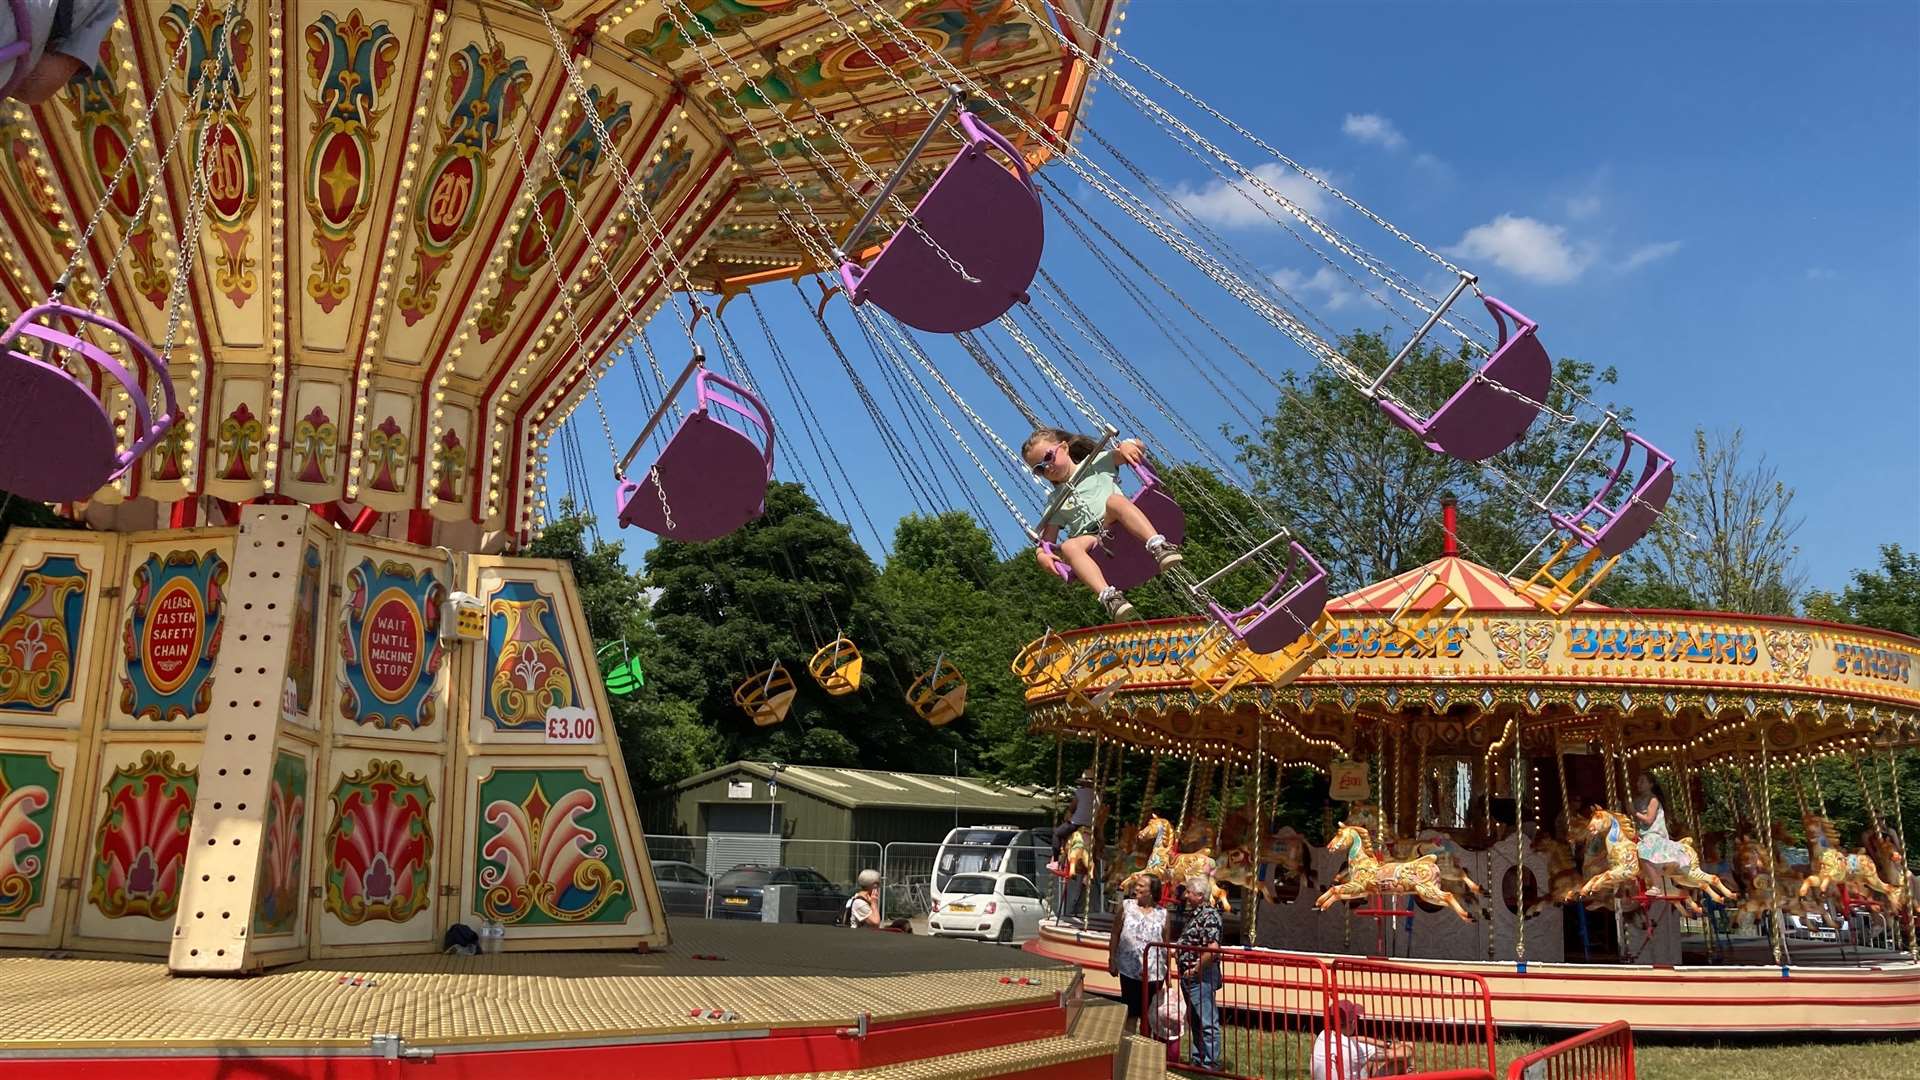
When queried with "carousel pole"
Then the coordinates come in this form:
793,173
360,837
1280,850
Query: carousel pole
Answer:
1146,797
1819,796
1900,826
1259,831
1779,915
1186,800
1519,847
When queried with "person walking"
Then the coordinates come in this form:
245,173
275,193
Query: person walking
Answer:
1141,970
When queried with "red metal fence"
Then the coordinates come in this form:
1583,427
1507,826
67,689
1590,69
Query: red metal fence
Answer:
1605,1053
1256,1013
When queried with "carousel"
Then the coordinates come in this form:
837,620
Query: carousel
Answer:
1607,814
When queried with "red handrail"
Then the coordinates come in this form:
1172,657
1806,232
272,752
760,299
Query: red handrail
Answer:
1605,1053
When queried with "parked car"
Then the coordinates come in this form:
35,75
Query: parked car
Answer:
999,907
737,893
684,888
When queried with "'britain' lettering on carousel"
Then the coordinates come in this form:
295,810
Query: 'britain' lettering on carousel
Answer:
1621,643
1870,662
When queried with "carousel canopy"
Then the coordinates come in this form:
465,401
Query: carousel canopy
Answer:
402,202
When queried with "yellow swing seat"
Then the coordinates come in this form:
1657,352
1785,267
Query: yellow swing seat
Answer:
1559,589
1410,620
836,667
940,695
765,697
1092,681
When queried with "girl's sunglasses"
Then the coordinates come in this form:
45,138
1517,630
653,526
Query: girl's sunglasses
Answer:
1041,467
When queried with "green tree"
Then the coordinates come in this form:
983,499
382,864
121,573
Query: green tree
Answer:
661,736
1887,597
1725,542
777,590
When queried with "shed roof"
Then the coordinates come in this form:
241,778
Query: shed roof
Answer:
859,788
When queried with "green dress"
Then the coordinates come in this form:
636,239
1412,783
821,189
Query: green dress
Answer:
1084,511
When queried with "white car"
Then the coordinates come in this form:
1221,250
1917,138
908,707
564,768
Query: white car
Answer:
999,907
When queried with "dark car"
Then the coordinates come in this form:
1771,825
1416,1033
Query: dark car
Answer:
736,895
684,887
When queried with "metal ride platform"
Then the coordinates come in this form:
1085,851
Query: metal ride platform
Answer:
727,1000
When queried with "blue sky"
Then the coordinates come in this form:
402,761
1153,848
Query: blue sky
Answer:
1720,199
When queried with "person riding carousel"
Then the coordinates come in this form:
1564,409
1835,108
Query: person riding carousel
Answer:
1079,815
1657,847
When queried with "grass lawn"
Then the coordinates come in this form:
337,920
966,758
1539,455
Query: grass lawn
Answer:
1675,1058
1670,1057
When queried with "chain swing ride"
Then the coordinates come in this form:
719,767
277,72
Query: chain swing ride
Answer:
968,251
963,260
58,442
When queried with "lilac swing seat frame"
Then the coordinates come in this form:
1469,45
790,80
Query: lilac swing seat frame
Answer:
17,50
1123,557
715,469
1496,405
57,440
1286,612
986,219
1611,529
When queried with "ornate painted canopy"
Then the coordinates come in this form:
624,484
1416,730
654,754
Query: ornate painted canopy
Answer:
1650,684
373,319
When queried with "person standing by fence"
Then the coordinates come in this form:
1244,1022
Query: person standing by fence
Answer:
1200,972
863,907
1141,969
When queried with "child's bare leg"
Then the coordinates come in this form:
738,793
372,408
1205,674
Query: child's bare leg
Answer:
1121,511
1079,554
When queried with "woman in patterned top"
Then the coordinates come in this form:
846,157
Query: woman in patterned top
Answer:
1200,972
1142,922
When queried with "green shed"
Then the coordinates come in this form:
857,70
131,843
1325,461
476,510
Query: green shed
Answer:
818,802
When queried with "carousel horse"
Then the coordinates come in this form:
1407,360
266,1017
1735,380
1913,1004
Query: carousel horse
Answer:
1623,861
1883,847
1451,858
1368,876
1286,858
1833,868
1158,834
1195,859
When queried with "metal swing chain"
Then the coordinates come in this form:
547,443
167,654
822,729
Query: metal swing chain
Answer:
562,288
1387,277
966,409
1306,173
888,438
145,128
807,420
993,372
806,146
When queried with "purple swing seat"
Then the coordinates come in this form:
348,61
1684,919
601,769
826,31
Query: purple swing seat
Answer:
1122,556
715,469
1286,612
1618,528
1481,419
987,218
57,441
16,51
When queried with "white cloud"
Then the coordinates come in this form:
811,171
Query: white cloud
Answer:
1527,247
1821,273
1433,165
1334,291
1373,128
1649,253
1582,207
1241,204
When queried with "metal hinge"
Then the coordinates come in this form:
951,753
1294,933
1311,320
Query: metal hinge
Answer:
859,1028
69,883
395,1048
449,890
334,591
314,893
110,592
